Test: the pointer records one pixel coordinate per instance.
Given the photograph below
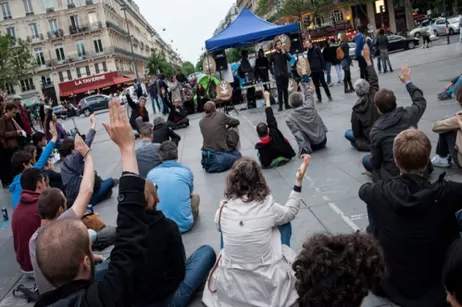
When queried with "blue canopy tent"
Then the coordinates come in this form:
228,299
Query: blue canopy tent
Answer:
247,29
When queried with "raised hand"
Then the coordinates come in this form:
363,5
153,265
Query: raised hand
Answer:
366,52
119,129
405,75
92,119
53,131
302,169
80,146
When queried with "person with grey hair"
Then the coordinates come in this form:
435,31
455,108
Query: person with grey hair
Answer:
181,206
162,132
364,112
147,151
304,121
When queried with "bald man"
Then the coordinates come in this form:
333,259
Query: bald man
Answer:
221,140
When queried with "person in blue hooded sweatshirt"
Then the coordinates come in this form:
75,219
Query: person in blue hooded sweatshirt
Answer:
22,160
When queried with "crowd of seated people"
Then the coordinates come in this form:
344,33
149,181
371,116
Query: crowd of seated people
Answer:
162,132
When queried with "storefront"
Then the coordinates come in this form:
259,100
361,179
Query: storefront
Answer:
108,83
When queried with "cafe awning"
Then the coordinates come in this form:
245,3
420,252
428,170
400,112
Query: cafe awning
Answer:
91,83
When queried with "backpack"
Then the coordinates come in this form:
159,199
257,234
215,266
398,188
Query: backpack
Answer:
340,53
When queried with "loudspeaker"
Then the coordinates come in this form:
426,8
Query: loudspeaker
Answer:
49,92
296,45
220,60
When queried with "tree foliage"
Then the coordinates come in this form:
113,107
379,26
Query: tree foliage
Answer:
234,54
199,66
159,64
188,68
264,7
16,60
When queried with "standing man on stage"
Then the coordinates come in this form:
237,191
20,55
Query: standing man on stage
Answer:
278,61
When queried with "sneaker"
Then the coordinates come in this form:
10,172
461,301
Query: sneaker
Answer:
330,84
280,110
444,96
330,98
104,238
319,101
438,161
116,182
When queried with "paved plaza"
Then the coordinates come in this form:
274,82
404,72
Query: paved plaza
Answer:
330,189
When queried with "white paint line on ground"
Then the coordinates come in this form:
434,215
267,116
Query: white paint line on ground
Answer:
331,204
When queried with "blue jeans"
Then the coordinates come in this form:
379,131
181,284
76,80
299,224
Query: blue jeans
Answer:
367,163
328,68
454,87
217,162
379,63
154,104
349,135
101,269
286,234
103,192
198,266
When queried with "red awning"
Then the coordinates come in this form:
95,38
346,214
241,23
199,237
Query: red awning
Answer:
91,87
119,80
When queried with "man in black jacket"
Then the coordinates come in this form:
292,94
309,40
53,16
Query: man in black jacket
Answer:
273,145
162,132
278,61
415,224
168,278
63,250
318,65
392,121
364,112
177,118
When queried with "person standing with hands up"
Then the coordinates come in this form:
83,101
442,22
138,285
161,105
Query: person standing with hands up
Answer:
256,234
278,61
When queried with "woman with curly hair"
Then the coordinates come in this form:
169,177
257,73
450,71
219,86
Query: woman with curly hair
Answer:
254,265
337,271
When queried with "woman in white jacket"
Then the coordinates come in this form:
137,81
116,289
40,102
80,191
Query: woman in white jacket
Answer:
254,265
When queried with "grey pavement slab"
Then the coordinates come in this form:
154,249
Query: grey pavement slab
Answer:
330,191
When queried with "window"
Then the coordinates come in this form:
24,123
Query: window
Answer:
104,67
28,7
46,80
69,75
80,48
10,89
98,45
60,53
27,85
92,19
97,68
83,72
337,16
6,11
87,70
34,30
11,31
75,22
79,75
39,56
53,25
49,5
61,77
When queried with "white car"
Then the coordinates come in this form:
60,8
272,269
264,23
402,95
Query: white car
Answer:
417,32
438,27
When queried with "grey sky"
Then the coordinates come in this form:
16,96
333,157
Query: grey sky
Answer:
189,23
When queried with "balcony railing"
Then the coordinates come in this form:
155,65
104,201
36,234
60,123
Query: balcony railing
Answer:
50,10
7,17
85,28
29,13
88,1
56,34
128,53
71,5
76,57
32,39
116,28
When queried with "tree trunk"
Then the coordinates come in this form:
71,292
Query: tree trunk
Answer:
408,11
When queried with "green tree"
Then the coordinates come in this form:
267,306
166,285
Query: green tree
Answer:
234,54
264,7
187,68
16,60
159,64
199,65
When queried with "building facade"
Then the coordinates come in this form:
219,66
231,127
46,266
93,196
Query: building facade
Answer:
250,4
232,14
74,40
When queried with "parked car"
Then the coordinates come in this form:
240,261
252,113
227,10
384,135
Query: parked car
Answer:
398,42
417,32
90,104
60,112
438,27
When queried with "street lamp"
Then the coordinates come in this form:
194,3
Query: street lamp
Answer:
124,8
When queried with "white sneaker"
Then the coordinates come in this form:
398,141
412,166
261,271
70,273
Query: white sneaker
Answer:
438,161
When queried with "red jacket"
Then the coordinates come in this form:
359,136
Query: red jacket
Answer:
25,221
25,121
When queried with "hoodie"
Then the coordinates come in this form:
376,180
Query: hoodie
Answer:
165,266
25,221
365,113
275,145
15,187
387,127
415,226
